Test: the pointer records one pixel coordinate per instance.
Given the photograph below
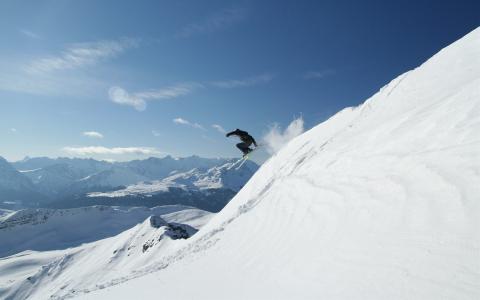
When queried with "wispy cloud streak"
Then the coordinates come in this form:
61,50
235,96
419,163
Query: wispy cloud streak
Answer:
139,100
30,34
219,128
250,81
317,74
111,151
182,121
213,23
81,54
93,134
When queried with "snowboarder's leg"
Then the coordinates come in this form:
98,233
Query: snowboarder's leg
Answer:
244,147
248,147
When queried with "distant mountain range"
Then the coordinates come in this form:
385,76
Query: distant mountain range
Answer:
207,183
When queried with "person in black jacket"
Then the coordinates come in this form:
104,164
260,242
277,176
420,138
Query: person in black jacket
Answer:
246,139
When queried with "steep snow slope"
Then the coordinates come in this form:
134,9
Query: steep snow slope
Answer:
379,202
57,273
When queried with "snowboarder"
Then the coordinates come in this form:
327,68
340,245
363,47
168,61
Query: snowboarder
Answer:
246,139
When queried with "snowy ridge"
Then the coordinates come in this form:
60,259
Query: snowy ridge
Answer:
62,273
216,177
15,188
4,213
28,171
378,202
55,182
12,179
53,229
109,178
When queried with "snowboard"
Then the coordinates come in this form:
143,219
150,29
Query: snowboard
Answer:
239,163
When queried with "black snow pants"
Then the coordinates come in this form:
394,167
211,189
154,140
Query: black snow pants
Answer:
244,147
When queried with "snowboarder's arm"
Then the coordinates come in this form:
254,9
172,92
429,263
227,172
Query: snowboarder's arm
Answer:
254,142
231,133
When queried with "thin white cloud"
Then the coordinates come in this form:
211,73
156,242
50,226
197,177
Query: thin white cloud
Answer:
250,81
196,125
93,134
15,79
219,128
13,129
120,96
30,34
182,121
156,133
317,74
90,150
81,54
47,75
139,100
216,22
275,138
174,91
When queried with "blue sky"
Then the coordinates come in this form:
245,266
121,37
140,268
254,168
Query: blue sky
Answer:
131,79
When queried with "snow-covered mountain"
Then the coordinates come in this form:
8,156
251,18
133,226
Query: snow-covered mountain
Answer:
158,168
209,189
116,176
86,166
11,178
53,229
218,177
4,212
15,188
93,244
52,180
64,179
378,202
67,176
